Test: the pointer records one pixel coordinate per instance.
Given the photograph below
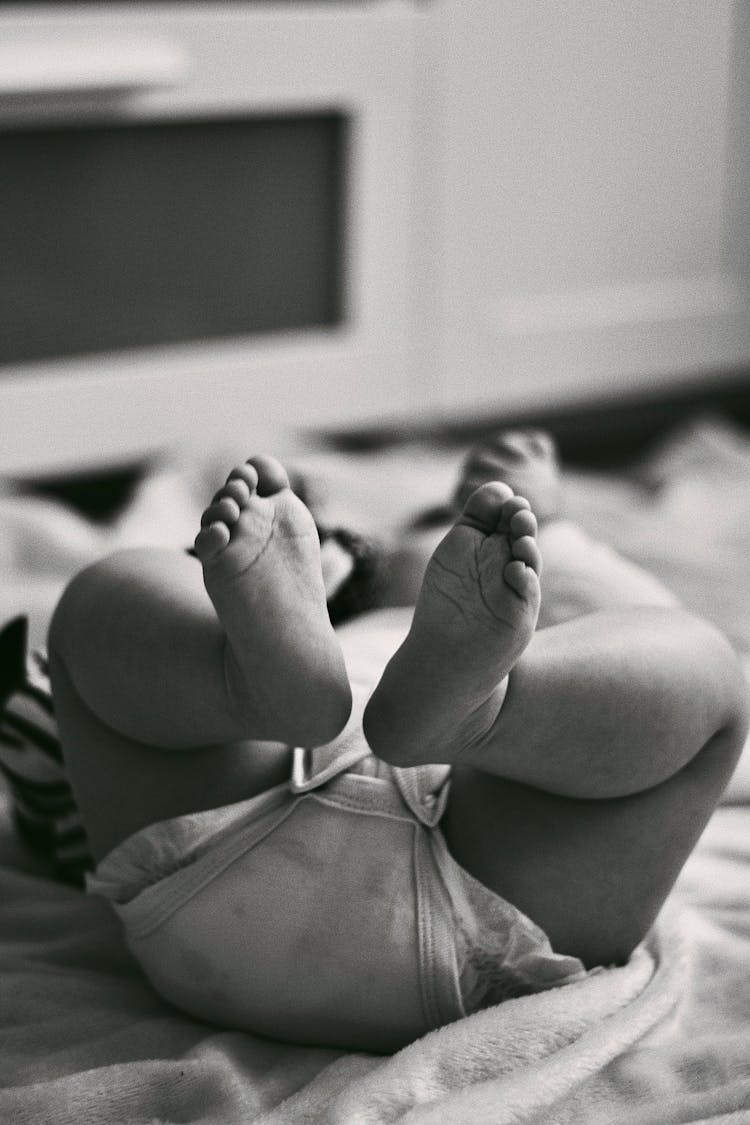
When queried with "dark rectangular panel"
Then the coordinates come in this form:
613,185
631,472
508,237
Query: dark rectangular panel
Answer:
139,235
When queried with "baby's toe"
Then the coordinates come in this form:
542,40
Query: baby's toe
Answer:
526,550
512,443
235,489
211,541
247,473
521,578
511,507
543,444
272,476
523,522
226,510
484,507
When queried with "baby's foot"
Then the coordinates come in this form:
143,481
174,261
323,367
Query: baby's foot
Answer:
526,460
476,613
261,566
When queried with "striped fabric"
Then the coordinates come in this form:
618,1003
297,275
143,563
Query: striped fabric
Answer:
31,760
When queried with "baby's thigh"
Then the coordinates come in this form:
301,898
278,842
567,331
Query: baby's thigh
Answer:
593,874
583,576
121,785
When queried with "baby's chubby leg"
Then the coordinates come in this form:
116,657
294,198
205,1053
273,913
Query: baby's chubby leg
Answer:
585,776
599,706
158,660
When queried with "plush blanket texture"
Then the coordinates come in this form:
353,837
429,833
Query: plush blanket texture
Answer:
666,1038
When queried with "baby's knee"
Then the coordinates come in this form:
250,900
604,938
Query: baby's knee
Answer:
703,663
721,687
70,617
722,671
77,608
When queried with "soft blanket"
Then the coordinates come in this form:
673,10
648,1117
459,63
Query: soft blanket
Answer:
664,1039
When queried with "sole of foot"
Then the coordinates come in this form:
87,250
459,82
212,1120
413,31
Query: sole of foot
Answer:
477,610
260,553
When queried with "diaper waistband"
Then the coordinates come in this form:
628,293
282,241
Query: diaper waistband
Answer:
343,769
423,789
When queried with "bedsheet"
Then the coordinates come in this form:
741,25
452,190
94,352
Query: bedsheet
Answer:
664,1039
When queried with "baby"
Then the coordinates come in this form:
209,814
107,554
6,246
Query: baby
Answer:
350,837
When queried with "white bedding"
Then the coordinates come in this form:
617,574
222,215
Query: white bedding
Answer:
665,1039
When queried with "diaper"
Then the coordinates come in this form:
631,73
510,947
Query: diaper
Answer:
325,911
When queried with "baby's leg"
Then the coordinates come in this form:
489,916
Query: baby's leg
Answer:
603,705
122,785
582,781
592,873
160,661
147,660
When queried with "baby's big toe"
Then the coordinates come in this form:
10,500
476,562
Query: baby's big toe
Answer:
272,476
485,505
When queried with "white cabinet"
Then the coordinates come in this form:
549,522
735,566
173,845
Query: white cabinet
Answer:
592,218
